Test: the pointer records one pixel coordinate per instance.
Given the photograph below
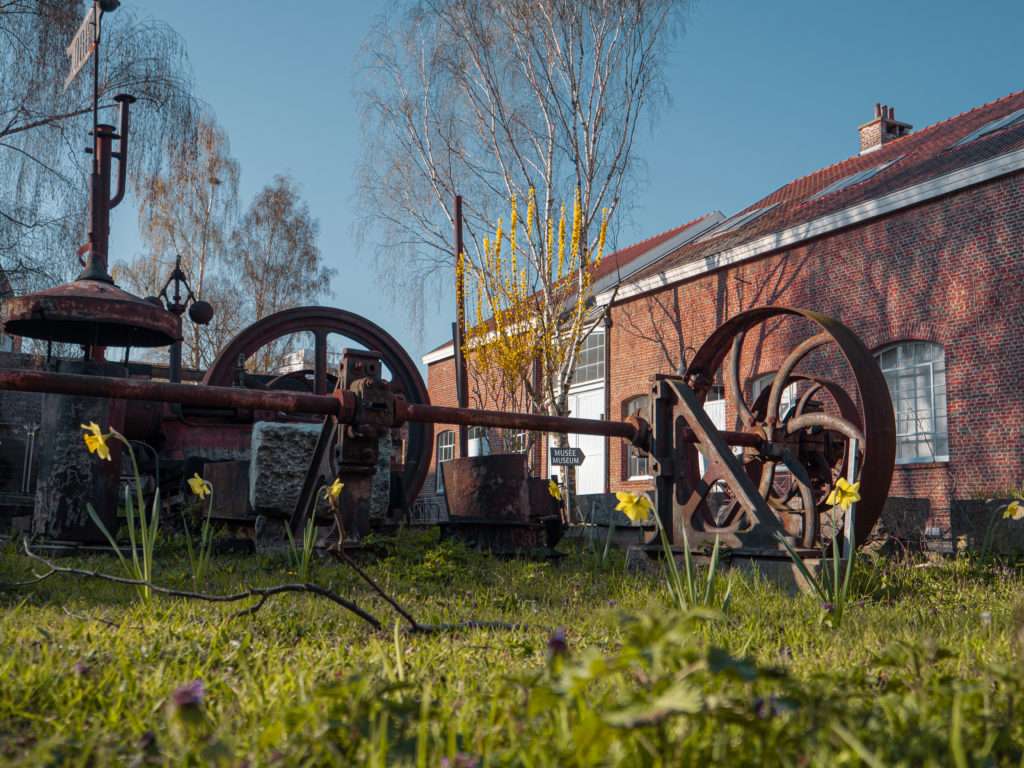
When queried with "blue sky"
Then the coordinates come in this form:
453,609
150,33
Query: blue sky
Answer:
762,93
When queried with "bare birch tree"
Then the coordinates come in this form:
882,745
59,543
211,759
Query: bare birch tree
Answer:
274,259
190,211
491,101
43,166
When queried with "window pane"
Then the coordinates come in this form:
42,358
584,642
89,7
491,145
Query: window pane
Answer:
916,375
590,362
445,452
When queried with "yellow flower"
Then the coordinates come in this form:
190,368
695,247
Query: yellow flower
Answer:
632,506
199,486
844,494
96,442
553,490
1011,510
335,490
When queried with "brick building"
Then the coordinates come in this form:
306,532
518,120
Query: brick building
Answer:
915,243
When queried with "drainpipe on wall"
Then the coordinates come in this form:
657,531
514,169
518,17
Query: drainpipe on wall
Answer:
607,396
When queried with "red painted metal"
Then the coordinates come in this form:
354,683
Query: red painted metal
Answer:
92,311
341,405
321,321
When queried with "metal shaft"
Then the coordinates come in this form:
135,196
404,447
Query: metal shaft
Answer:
186,394
341,405
439,414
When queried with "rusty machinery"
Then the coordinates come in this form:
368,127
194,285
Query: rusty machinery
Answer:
735,497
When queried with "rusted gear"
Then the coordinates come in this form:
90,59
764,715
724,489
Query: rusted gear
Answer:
321,321
809,441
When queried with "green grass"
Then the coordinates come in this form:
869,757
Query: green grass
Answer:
925,671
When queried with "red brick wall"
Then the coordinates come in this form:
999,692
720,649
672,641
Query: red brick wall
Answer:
944,271
947,271
441,386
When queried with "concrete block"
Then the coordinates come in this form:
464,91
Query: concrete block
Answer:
599,508
280,456
970,520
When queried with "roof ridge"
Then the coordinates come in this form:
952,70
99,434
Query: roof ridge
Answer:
671,231
914,134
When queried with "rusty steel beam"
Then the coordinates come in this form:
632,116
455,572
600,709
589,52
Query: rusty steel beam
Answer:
439,414
341,405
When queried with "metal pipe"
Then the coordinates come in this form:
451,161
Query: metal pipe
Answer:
123,100
439,414
458,336
341,405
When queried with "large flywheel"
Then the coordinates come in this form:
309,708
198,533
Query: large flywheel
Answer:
320,322
826,410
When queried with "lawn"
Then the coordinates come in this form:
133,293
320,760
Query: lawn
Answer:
594,667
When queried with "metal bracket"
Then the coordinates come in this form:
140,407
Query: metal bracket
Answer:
682,493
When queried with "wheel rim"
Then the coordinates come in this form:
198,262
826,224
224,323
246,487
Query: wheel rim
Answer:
321,321
805,428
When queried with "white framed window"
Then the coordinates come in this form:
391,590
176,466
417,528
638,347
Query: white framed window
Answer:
445,452
590,364
916,374
515,442
479,444
636,464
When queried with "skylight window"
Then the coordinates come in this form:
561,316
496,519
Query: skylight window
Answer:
735,222
856,178
1015,118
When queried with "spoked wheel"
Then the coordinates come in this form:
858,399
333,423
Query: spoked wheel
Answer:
827,396
322,321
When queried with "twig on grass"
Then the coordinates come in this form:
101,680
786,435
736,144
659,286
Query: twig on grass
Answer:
262,594
416,626
108,622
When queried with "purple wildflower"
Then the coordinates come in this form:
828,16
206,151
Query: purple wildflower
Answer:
557,646
769,707
189,695
462,760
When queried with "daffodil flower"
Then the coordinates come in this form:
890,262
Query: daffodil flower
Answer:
632,506
95,440
335,490
1011,510
199,486
844,494
553,490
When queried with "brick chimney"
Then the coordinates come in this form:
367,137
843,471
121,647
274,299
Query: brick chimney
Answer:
881,130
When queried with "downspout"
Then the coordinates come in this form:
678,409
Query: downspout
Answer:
607,396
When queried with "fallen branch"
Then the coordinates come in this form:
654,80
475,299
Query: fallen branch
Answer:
262,594
108,622
416,626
